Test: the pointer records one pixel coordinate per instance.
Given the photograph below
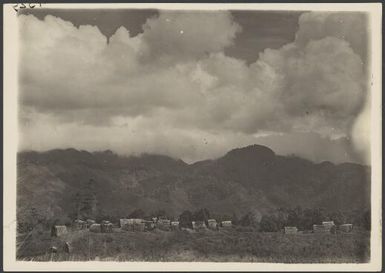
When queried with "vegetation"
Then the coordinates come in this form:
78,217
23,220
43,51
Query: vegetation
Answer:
221,246
303,219
250,239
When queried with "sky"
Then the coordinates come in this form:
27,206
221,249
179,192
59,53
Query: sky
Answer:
195,84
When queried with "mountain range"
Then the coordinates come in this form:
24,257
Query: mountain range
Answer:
251,178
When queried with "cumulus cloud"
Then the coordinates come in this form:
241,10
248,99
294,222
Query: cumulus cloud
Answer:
172,90
348,26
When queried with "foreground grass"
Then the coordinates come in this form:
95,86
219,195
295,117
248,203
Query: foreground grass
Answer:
208,246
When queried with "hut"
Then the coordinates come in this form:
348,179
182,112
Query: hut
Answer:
123,222
79,224
163,224
132,224
290,230
198,225
139,226
326,227
174,225
128,224
328,223
226,224
106,227
149,225
321,229
346,227
90,222
96,228
57,231
212,224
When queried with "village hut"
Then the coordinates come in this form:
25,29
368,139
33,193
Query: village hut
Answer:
163,224
290,230
79,224
123,222
197,225
57,231
226,224
212,224
321,229
328,223
174,225
90,222
140,226
96,228
132,224
106,227
326,227
149,225
346,227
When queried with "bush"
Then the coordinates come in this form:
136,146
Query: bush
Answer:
185,219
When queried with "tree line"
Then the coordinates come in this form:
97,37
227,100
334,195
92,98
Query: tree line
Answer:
85,207
274,221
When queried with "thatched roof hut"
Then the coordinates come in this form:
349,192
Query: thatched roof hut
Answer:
96,228
290,230
57,231
212,224
346,227
226,224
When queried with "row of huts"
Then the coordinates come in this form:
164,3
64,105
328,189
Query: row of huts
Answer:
325,227
137,225
168,225
91,225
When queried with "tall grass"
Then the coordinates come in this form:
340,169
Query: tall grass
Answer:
223,246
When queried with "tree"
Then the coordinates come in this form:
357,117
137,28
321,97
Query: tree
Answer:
137,213
185,219
235,220
308,219
338,217
294,217
201,215
86,201
268,223
318,215
281,218
160,213
245,220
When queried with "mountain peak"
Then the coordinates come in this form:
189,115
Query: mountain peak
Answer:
251,151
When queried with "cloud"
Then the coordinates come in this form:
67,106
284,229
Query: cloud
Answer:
184,35
171,89
361,132
351,27
322,84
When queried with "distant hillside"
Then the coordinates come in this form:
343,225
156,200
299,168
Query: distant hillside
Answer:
252,178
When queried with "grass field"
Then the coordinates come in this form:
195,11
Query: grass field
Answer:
206,246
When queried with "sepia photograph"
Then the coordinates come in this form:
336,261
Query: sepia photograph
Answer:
198,135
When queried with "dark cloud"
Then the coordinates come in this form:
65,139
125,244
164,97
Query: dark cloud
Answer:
108,21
